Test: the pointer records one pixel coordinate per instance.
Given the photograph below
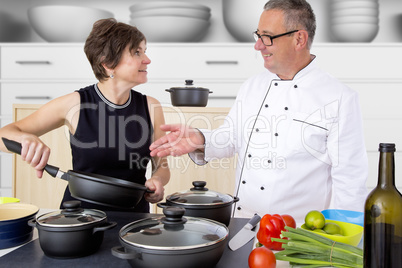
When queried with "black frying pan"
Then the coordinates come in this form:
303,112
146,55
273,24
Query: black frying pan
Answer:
93,188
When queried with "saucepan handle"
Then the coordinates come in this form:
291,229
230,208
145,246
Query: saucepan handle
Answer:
162,205
109,225
119,252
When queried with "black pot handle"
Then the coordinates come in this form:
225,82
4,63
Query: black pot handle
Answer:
119,252
169,90
102,228
162,205
32,222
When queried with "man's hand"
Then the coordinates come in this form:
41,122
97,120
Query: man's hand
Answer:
181,140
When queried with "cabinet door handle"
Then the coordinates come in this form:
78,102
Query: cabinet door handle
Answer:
33,97
36,62
226,62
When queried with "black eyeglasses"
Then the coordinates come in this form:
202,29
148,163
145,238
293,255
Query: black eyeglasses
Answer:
267,40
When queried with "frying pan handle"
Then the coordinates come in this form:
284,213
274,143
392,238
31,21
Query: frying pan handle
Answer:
16,147
12,146
52,170
149,191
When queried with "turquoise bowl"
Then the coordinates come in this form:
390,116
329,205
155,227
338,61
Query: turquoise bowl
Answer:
349,216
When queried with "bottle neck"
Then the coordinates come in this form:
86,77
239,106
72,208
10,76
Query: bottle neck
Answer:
386,170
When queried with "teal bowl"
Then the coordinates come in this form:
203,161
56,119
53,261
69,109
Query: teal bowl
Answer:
349,216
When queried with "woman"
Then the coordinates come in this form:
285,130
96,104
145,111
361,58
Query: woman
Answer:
111,126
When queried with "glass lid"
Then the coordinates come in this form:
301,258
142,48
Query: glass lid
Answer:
199,195
71,216
173,231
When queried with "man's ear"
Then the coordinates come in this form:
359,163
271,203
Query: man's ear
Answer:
301,39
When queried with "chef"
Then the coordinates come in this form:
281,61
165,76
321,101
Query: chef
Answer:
297,131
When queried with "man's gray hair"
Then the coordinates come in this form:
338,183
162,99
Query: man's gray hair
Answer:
298,13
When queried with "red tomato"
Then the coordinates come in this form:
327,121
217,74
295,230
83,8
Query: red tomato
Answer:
262,257
289,220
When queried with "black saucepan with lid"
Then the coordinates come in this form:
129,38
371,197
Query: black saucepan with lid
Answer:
171,240
71,232
199,201
94,188
189,95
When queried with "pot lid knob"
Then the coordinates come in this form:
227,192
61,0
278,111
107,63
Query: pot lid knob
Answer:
72,207
189,82
174,215
199,186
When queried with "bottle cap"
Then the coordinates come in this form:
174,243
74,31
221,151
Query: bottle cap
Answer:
387,147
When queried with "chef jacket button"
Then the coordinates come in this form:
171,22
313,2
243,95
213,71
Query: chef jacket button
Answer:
257,129
276,84
276,134
295,86
286,108
262,188
244,182
249,155
238,208
266,105
269,161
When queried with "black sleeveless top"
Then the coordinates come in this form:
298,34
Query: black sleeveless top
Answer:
112,140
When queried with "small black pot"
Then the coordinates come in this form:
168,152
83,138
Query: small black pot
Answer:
189,95
74,232
199,201
172,241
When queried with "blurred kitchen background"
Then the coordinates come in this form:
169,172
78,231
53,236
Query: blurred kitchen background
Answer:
38,67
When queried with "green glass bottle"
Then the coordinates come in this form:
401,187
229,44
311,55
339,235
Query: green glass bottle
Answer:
383,216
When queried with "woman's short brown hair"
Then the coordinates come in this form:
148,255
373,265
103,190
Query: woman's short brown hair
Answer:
106,43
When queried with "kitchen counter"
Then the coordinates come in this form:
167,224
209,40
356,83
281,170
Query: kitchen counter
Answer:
31,254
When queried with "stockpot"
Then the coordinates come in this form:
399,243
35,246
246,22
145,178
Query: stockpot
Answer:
172,239
199,201
189,95
71,232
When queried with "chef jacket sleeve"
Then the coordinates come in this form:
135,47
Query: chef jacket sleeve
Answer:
220,142
347,151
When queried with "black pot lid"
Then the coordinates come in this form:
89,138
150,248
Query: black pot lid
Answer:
71,216
199,195
189,85
173,231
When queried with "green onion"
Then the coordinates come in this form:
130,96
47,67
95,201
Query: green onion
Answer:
306,249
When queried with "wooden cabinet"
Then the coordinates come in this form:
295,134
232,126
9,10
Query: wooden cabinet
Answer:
48,191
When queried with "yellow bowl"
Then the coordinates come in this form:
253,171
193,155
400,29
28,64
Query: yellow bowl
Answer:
352,233
4,200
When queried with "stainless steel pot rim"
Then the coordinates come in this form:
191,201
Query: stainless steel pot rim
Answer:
219,228
182,198
84,219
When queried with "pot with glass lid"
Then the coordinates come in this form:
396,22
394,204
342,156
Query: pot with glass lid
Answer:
71,232
172,239
199,201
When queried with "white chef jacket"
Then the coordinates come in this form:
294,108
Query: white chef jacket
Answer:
299,143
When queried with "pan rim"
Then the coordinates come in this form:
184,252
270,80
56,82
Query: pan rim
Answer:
107,179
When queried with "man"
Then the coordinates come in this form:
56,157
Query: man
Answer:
296,129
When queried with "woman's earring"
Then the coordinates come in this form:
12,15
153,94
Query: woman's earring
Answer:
112,75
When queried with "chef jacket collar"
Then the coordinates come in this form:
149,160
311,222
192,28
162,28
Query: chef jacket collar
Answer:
302,72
